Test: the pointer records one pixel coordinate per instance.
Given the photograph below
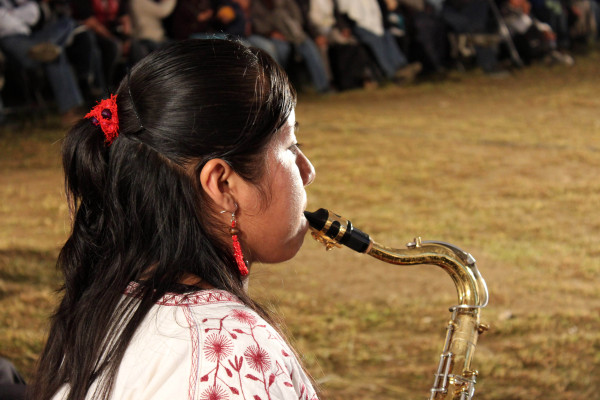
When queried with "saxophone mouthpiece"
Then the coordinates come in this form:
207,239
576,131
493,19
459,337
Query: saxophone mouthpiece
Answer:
317,219
337,229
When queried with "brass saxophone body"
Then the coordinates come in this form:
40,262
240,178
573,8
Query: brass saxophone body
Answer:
454,378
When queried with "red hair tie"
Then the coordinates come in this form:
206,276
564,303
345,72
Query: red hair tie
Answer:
105,114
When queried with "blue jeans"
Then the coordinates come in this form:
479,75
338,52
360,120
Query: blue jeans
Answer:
314,63
385,50
59,73
280,50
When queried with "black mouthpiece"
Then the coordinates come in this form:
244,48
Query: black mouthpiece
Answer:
353,238
317,219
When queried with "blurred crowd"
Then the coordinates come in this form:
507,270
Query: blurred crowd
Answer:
75,51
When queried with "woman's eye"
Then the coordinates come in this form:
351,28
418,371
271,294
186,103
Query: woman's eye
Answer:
295,147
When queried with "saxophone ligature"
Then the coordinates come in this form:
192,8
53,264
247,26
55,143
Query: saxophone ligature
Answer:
454,378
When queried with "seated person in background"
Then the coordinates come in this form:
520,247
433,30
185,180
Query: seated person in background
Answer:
83,52
426,32
533,39
44,47
193,18
235,18
147,17
347,61
366,19
582,20
111,23
282,20
553,13
473,17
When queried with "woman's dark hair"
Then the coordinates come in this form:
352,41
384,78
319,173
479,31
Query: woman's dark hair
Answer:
138,209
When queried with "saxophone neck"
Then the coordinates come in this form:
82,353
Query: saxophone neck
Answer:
333,230
461,266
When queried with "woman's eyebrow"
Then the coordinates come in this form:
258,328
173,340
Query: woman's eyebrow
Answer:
296,126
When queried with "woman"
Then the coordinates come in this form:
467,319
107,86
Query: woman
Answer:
202,178
110,22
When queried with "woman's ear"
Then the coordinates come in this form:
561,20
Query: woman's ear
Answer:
215,178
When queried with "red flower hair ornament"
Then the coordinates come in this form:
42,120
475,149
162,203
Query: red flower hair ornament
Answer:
105,114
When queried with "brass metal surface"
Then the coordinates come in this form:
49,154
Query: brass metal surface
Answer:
454,379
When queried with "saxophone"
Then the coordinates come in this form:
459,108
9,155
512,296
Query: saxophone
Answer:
454,378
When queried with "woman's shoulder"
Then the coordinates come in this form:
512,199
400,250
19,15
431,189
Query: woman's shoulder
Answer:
209,344
242,354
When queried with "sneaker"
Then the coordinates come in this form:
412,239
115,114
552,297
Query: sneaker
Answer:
44,52
556,57
408,73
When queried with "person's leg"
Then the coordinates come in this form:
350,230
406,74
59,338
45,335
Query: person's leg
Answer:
377,48
86,58
63,84
17,46
265,44
283,50
314,63
58,32
111,53
426,34
61,78
393,52
561,24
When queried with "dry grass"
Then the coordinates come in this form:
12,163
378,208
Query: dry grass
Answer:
506,169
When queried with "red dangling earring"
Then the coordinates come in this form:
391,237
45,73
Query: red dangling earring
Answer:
237,249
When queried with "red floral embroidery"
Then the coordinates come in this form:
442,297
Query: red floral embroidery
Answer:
243,316
258,358
217,347
239,356
215,392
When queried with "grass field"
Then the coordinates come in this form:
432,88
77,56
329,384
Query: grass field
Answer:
507,169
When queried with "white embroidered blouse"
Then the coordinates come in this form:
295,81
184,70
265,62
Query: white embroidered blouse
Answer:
207,345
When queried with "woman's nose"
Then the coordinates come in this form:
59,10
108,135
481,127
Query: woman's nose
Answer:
307,171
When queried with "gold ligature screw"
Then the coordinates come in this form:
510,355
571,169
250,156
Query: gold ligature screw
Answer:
415,244
482,328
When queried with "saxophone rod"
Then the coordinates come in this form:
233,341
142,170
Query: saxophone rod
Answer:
333,230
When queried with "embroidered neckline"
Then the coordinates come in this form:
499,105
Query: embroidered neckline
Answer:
200,297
